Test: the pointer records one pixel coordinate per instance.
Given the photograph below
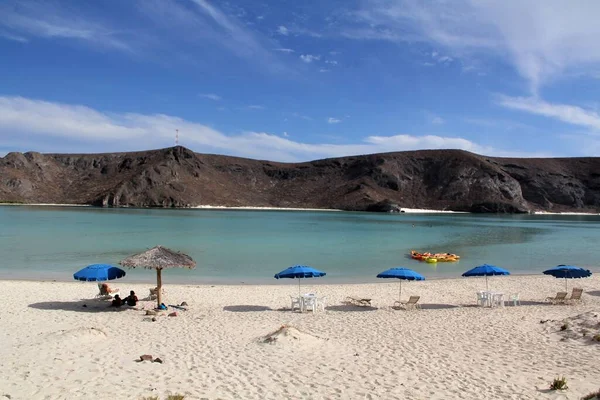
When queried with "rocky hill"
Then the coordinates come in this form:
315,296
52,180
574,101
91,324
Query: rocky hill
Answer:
177,177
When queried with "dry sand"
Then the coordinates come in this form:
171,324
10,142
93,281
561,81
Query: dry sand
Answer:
54,348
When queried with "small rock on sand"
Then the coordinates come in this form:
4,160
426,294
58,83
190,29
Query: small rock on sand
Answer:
146,357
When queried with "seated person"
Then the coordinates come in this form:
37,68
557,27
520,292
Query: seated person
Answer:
117,302
131,300
106,290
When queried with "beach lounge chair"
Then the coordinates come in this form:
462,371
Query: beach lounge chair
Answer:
559,298
106,292
575,296
412,303
154,293
357,301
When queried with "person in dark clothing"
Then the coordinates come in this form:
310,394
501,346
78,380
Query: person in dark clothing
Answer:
117,301
131,300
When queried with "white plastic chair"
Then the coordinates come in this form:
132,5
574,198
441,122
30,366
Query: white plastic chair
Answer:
498,300
514,298
296,303
482,299
309,303
321,303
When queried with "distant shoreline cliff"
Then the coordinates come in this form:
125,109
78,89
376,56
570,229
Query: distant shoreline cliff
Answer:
177,177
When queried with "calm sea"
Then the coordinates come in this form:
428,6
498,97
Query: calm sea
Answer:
232,246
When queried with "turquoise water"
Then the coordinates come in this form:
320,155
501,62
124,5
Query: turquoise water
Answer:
232,246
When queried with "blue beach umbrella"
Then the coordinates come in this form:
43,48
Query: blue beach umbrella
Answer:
299,271
568,272
486,270
99,272
401,274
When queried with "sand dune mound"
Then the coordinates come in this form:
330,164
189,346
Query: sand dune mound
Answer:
289,336
584,326
78,335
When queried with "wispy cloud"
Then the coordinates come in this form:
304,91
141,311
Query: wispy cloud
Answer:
332,120
331,62
179,30
255,107
14,38
541,41
210,96
436,120
322,70
35,125
284,50
309,58
23,20
301,116
573,115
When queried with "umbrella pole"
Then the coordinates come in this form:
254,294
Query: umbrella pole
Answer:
400,290
159,286
299,287
566,289
486,284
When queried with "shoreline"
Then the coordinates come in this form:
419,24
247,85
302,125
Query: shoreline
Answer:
276,282
257,208
563,213
403,210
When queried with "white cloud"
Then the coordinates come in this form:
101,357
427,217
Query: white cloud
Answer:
332,120
308,58
282,30
563,112
541,39
211,96
285,134
324,70
38,125
331,62
255,107
283,50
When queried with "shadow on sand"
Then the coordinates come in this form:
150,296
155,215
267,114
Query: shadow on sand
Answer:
91,306
593,293
246,308
349,308
532,303
437,306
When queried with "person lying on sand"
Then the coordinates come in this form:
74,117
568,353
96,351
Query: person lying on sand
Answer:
131,300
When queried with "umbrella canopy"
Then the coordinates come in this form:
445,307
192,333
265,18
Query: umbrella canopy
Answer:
486,270
300,271
159,258
402,274
99,272
568,272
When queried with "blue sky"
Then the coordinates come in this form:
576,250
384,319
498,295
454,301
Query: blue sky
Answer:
294,81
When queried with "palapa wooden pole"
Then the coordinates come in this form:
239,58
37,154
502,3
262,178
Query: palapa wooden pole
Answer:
159,286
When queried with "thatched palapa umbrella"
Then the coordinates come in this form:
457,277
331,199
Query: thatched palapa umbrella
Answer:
159,258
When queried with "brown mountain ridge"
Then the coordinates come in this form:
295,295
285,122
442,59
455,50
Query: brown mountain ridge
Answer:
177,177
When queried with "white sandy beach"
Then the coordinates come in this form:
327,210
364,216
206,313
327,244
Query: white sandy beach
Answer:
54,348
